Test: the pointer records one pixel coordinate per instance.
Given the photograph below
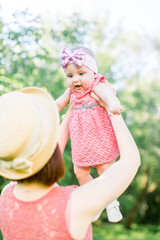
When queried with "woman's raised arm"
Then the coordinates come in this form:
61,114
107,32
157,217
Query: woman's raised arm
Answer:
88,200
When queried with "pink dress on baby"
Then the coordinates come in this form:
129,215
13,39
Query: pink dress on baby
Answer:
93,140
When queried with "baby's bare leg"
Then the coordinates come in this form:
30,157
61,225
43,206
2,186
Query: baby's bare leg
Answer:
101,168
82,174
113,212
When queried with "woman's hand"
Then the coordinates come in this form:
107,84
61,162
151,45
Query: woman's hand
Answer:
99,100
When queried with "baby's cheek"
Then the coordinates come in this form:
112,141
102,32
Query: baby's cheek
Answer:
69,82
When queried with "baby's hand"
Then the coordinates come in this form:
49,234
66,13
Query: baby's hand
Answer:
113,103
109,98
114,106
63,100
67,94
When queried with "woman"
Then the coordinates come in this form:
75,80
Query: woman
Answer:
36,207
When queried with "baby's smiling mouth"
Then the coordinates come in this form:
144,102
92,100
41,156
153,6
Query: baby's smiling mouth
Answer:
77,86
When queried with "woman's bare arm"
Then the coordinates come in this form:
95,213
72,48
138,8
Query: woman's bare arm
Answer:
88,200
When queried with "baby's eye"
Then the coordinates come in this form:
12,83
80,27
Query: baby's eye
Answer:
81,73
70,76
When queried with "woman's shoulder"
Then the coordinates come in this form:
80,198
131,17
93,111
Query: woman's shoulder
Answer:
8,186
68,188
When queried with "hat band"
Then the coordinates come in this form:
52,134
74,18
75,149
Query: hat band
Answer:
22,164
36,142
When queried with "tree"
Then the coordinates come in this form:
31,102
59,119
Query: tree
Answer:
29,56
141,99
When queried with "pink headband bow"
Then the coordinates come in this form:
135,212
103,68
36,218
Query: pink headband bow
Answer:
78,57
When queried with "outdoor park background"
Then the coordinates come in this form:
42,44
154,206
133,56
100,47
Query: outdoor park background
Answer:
30,48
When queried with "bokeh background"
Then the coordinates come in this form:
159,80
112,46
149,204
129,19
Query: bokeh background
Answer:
125,37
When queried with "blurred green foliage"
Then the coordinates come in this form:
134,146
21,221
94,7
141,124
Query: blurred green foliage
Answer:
30,56
118,232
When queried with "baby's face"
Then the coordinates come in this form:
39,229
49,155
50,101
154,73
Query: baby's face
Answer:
79,78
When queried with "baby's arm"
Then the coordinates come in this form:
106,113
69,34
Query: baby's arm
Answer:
64,130
105,92
111,87
63,100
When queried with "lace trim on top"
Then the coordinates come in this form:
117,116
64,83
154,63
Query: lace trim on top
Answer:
40,219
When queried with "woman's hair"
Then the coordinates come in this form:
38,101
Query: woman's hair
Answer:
51,172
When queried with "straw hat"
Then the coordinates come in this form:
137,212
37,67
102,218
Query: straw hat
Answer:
28,132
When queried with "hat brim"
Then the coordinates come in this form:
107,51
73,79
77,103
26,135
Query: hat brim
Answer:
46,100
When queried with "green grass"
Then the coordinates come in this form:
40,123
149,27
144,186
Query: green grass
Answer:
110,231
118,232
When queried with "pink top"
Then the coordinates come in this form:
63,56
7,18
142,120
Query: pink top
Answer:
42,219
93,140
